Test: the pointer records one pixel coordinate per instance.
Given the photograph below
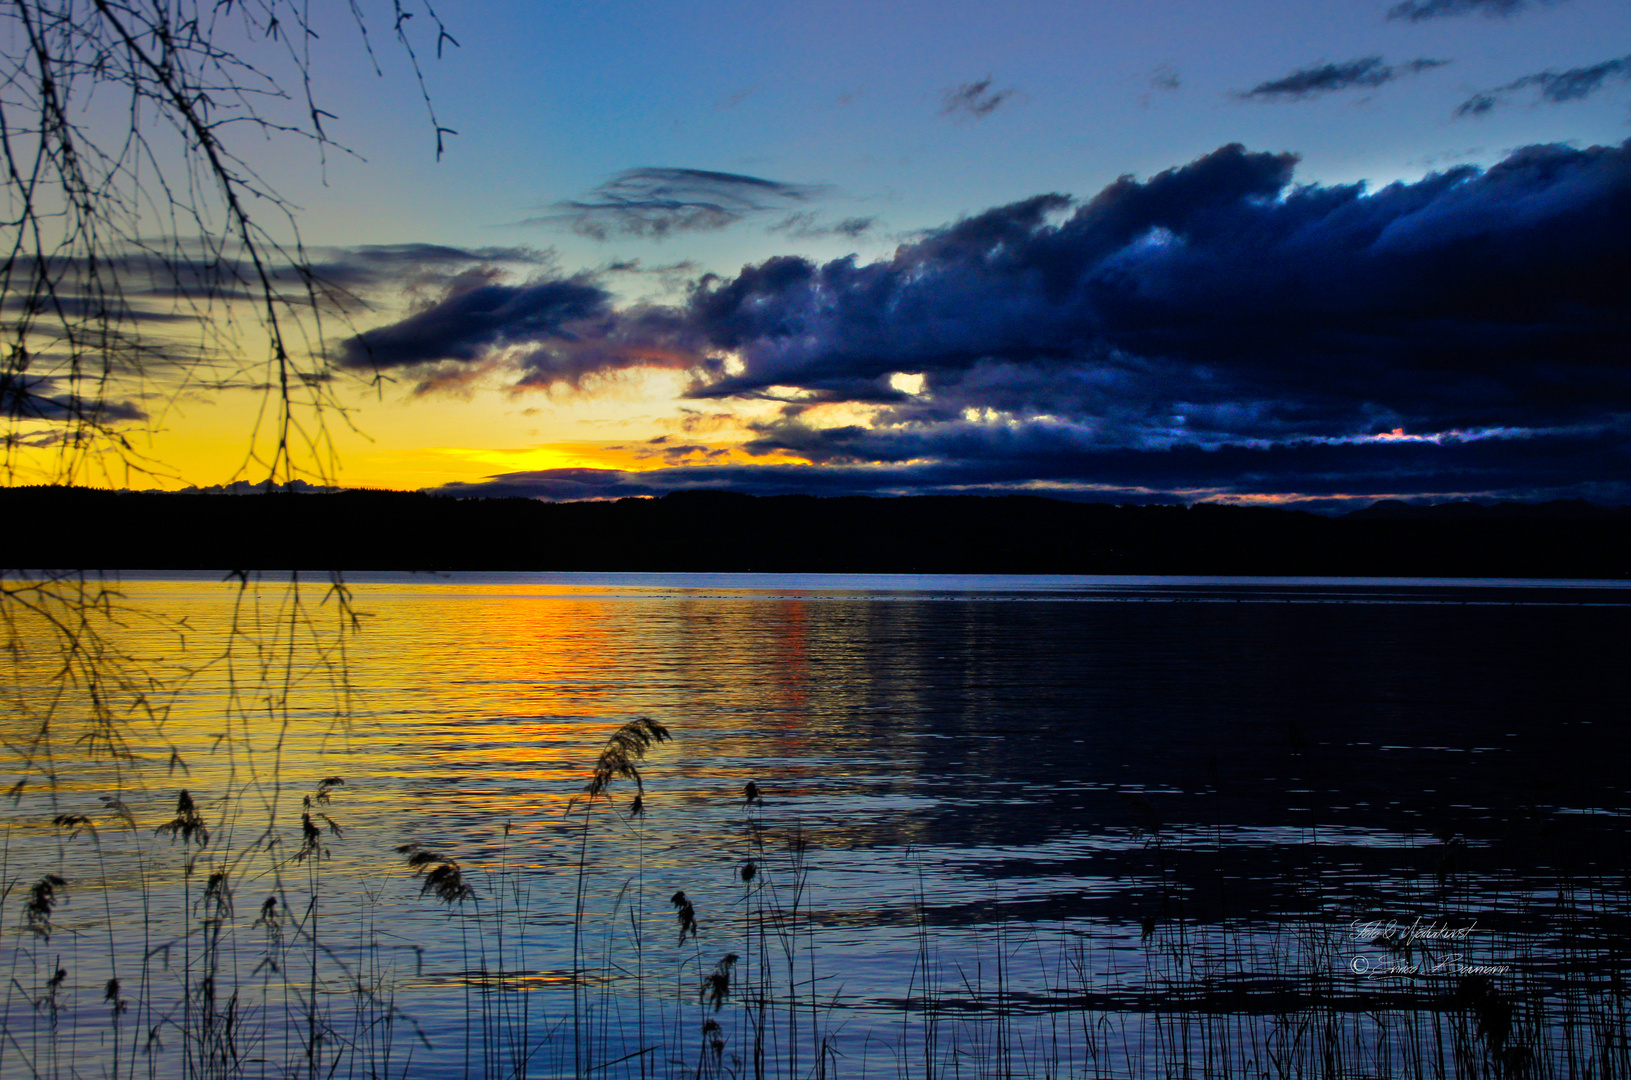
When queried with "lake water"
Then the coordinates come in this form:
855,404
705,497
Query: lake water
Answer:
1008,826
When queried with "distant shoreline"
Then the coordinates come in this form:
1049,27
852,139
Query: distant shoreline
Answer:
701,531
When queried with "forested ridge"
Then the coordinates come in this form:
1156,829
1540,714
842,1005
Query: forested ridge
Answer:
721,531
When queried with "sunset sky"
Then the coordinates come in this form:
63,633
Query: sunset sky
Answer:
1265,251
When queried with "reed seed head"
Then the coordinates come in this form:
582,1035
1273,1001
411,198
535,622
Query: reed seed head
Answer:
42,900
75,824
686,914
443,877
187,823
717,986
310,837
268,916
120,810
217,892
1491,1010
627,745
714,1037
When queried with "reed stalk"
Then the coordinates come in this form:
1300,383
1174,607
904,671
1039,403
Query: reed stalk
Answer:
1210,995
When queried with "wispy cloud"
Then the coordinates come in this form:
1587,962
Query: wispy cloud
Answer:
1422,10
658,201
1368,72
1556,87
29,397
806,225
974,100
731,101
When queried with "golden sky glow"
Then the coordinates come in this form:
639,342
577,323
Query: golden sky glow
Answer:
823,234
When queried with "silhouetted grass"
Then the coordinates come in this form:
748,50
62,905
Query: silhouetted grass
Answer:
191,946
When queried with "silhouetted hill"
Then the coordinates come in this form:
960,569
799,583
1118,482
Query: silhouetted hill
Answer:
1466,510
72,527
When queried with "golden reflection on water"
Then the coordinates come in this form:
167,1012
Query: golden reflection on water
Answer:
904,741
452,707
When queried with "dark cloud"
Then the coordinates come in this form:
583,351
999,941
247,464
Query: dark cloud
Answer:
676,455
476,317
1587,464
1369,72
974,100
1220,289
682,268
543,333
1454,300
55,400
1556,87
172,280
419,270
164,326
1421,10
121,280
184,283
113,310
1216,326
658,201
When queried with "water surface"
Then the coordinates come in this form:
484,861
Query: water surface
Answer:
1068,774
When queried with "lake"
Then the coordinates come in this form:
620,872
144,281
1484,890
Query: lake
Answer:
1004,826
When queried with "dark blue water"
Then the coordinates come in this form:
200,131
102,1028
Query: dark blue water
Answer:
1084,791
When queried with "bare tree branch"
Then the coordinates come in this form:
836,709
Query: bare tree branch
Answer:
131,221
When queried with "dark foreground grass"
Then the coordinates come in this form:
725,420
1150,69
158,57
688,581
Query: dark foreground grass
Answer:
163,942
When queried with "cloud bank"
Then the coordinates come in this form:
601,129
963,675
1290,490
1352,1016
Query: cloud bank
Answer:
1214,328
1589,466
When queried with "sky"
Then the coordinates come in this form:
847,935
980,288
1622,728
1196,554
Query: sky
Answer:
1311,254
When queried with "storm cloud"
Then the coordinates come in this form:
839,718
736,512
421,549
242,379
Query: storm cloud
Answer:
541,334
1466,298
1577,465
655,202
1215,327
473,321
1369,72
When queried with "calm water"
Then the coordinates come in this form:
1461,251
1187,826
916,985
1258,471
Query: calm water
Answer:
1090,790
